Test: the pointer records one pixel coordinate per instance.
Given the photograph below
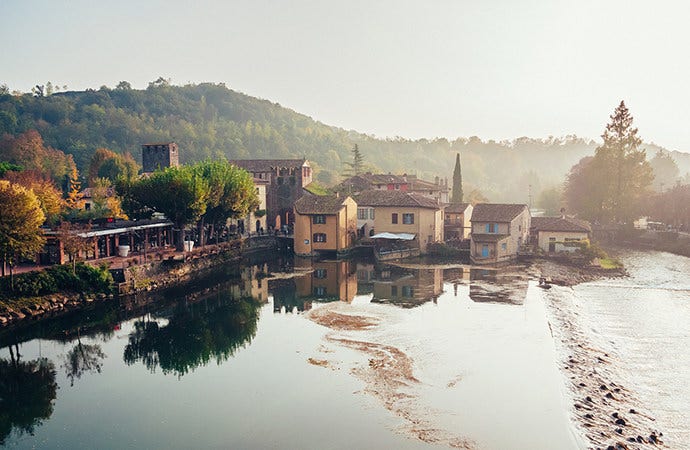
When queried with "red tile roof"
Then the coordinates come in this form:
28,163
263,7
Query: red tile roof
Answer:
319,204
395,198
560,224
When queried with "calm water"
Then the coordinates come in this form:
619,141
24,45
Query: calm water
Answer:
225,364
644,320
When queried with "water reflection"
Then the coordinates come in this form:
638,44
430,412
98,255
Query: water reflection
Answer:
27,392
214,328
328,280
492,286
406,287
83,358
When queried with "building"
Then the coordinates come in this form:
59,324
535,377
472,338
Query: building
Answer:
399,212
457,223
498,232
438,190
324,223
559,234
327,281
285,179
159,156
255,221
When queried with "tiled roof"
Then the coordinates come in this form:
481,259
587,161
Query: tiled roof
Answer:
266,165
395,198
382,178
319,204
560,224
457,208
356,183
423,185
496,212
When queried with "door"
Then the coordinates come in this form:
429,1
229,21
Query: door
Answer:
485,251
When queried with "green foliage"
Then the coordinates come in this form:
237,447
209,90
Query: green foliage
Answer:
356,167
211,121
665,170
58,279
611,186
7,166
456,193
317,189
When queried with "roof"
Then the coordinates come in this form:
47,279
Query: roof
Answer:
457,207
488,237
267,165
395,198
401,236
417,184
319,204
560,224
497,212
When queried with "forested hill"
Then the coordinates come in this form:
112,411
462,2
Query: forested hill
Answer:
210,120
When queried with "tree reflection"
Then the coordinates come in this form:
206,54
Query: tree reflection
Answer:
27,391
83,358
193,336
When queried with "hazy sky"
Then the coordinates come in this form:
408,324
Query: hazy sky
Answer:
494,69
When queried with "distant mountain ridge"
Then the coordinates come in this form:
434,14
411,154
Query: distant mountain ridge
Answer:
209,121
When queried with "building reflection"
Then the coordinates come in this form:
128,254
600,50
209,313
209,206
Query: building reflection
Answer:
405,287
492,286
328,281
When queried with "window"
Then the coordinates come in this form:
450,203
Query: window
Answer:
394,218
371,213
408,291
321,274
394,291
491,227
362,213
504,246
319,237
319,291
397,187
319,219
408,218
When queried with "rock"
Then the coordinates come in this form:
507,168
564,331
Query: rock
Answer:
615,415
620,422
632,411
3,320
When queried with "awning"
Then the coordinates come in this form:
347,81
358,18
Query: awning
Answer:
399,236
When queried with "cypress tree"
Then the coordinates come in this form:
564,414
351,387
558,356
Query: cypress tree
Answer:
457,182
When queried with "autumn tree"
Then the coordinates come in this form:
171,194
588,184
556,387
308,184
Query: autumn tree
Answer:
108,164
75,240
613,184
456,193
178,192
49,196
29,151
20,220
75,197
105,202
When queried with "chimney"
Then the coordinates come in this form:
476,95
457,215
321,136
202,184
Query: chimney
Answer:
436,180
337,194
562,213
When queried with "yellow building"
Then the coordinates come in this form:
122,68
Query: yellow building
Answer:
402,212
329,280
498,231
457,221
324,223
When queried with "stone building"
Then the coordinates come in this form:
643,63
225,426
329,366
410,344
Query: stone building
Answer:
159,156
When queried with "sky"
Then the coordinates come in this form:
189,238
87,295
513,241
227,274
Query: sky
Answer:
416,69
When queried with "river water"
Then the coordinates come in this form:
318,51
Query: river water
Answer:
341,354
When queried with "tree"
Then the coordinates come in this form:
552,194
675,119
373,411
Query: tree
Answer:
178,192
457,194
20,222
357,164
612,186
665,169
29,151
231,193
108,164
75,241
104,201
550,201
49,196
75,198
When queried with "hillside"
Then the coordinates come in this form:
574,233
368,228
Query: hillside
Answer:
210,121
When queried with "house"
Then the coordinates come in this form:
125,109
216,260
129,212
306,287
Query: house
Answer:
457,221
559,234
324,223
285,179
406,213
438,190
498,231
255,221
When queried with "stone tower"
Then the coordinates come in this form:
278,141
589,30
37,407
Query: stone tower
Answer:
159,156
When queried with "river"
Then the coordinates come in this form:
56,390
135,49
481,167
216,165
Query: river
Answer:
342,354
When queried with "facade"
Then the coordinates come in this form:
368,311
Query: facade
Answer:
498,232
324,223
457,223
255,221
328,280
285,180
401,212
159,156
559,234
